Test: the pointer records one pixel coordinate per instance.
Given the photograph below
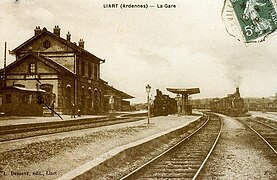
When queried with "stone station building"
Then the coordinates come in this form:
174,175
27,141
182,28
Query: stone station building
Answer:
67,73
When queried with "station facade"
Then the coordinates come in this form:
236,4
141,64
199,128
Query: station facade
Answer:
67,73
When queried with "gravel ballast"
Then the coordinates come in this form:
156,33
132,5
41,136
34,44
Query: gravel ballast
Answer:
240,154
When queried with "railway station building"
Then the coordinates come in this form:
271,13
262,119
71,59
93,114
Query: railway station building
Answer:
69,74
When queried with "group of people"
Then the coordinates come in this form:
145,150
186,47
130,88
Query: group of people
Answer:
74,109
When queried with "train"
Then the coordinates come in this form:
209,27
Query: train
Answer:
163,105
232,105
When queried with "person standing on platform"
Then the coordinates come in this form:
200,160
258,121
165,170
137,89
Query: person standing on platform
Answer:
73,110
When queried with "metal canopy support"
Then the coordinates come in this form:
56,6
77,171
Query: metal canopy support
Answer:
185,107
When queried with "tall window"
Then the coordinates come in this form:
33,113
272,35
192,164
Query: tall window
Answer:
48,95
96,71
89,103
82,68
32,68
89,71
68,97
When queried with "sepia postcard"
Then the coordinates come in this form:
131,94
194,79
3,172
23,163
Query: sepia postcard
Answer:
141,89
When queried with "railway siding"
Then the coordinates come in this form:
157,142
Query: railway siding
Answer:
12,132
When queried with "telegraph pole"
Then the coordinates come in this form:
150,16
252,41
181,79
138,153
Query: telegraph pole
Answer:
5,64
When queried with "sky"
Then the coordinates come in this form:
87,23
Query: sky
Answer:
183,47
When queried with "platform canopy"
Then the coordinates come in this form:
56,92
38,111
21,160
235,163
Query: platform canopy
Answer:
184,91
183,101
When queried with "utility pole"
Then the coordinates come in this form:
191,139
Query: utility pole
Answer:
5,64
275,102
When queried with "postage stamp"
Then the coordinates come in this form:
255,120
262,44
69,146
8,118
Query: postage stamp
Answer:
256,18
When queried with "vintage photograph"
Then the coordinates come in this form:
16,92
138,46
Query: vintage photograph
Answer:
149,89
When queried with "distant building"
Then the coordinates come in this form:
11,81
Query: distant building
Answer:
64,70
115,98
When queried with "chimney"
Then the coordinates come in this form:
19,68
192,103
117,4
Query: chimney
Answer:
81,43
57,30
237,92
37,30
159,93
68,36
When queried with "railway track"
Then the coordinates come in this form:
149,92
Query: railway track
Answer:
186,159
265,130
13,132
266,121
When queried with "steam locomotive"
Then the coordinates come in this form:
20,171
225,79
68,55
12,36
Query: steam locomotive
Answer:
163,105
232,105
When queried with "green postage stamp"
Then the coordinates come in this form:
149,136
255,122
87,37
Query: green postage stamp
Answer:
256,18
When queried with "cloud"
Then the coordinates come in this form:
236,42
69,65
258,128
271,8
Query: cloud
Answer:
183,47
151,58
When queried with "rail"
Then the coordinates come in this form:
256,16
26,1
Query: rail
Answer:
14,132
260,135
147,164
210,152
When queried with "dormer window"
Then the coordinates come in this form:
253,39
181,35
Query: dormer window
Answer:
32,68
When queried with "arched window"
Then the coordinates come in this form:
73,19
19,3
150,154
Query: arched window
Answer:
89,99
83,98
32,68
68,96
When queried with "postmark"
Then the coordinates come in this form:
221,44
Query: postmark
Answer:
255,18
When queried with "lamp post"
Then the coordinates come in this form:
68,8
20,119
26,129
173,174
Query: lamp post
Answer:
148,88
179,104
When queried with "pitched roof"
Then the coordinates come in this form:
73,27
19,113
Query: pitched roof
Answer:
185,91
43,59
121,93
68,43
22,89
